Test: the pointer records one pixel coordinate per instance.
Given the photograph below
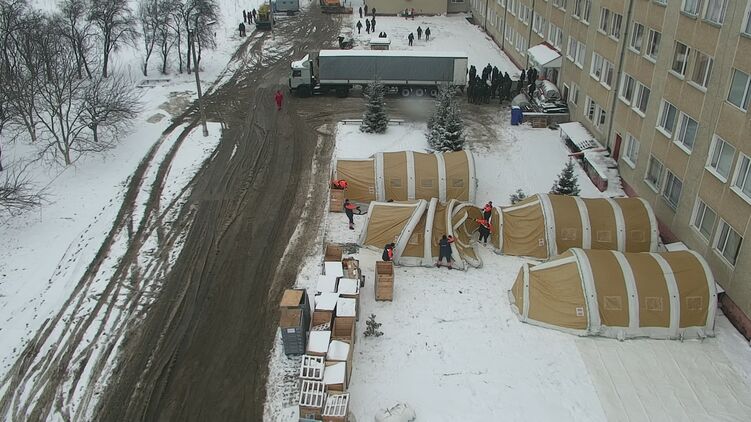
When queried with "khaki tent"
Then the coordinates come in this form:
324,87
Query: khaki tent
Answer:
543,225
407,176
620,295
415,227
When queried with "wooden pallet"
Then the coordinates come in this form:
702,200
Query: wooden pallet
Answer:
384,280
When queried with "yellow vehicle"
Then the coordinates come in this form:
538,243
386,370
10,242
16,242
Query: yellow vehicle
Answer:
334,6
265,18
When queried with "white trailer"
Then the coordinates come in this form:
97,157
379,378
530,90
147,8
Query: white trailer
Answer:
289,7
416,73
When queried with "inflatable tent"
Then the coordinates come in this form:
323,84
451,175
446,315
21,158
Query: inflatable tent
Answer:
542,226
620,295
416,227
407,176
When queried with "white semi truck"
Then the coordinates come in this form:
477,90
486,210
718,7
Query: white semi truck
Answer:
416,73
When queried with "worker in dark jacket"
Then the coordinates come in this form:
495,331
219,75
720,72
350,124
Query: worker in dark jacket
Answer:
419,33
359,26
484,229
388,252
444,250
487,210
427,33
410,38
349,209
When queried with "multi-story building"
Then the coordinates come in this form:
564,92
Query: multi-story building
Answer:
666,85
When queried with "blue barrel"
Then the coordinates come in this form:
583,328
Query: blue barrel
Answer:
516,115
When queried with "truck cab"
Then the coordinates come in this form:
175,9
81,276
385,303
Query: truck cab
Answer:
301,79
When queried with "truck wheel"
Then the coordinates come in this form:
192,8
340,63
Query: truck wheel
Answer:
420,92
433,92
405,92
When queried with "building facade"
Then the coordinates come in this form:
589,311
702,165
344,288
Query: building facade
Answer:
422,7
665,84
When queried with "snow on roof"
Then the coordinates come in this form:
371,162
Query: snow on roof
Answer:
545,56
676,246
333,269
326,301
326,284
338,351
391,53
302,62
579,135
334,374
318,342
380,40
346,307
348,286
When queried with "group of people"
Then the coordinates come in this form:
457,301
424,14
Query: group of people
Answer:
411,36
370,25
365,6
249,16
491,83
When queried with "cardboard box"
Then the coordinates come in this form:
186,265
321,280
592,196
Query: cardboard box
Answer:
384,280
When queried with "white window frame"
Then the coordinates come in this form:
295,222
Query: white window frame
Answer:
696,225
681,131
608,73
746,25
656,185
590,106
626,81
635,32
706,75
638,94
581,53
720,244
746,90
616,26
714,170
681,74
631,155
575,91
742,177
604,24
671,181
719,17
691,7
595,67
662,118
654,39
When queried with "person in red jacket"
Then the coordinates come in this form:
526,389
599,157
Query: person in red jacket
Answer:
339,184
278,97
487,210
349,209
484,229
388,252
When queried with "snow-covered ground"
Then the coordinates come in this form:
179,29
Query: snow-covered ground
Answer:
454,350
48,249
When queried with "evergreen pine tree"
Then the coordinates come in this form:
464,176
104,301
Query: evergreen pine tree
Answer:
445,126
375,120
517,196
567,182
372,327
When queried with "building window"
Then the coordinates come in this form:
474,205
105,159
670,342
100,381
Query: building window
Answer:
566,92
575,94
739,89
637,37
742,184
596,114
602,116
703,219
627,88
596,67
668,115
582,9
615,26
662,2
720,158
728,242
653,44
715,11
591,109
702,69
560,3
746,28
607,74
654,173
555,36
691,7
680,58
539,24
604,20
673,187
686,133
509,33
632,150
642,98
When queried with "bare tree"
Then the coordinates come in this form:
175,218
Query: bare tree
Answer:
17,192
79,32
109,106
168,34
148,17
195,16
116,25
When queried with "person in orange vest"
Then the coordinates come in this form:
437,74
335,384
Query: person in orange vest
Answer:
349,209
339,184
485,229
487,210
388,252
278,97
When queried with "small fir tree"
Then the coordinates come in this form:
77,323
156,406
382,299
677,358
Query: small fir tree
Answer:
372,327
375,120
567,182
517,196
445,126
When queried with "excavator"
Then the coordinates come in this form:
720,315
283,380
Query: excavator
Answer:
334,7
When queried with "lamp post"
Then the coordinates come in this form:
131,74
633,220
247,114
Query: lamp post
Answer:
192,44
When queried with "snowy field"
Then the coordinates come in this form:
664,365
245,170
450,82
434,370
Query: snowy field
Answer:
454,350
49,249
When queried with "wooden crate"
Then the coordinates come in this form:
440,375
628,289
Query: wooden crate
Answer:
293,301
322,318
344,329
336,353
333,253
312,399
335,377
336,200
384,281
336,408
